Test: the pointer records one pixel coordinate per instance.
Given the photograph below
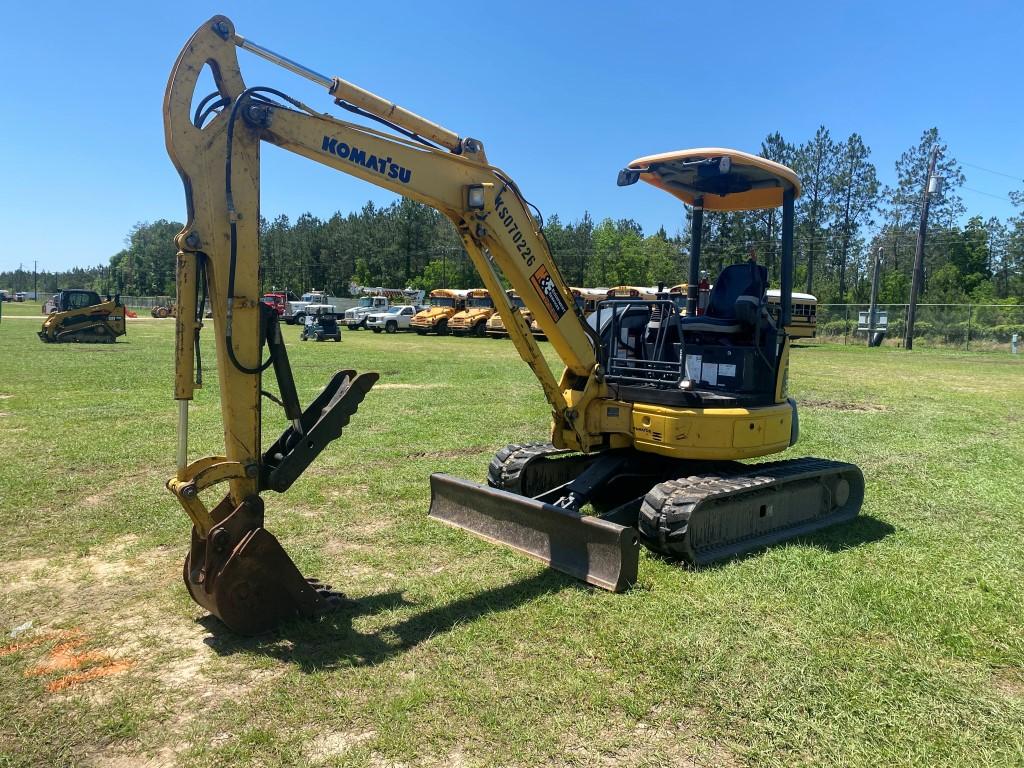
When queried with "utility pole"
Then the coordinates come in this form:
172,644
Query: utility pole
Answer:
35,277
930,185
873,309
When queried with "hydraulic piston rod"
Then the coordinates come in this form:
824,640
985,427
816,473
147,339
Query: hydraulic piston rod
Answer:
353,94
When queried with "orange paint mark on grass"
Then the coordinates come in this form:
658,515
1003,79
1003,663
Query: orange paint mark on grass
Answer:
110,667
66,657
7,650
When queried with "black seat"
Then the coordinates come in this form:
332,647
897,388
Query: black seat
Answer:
736,301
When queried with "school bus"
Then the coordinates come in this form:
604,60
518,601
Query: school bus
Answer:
803,316
632,292
444,302
587,299
496,325
473,319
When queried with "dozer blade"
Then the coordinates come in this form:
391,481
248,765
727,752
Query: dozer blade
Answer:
590,549
243,576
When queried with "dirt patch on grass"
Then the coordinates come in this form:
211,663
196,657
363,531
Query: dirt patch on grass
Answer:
334,744
21,574
657,739
1009,683
98,499
164,758
377,387
5,397
840,405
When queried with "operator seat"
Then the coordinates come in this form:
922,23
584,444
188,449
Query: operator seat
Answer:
736,303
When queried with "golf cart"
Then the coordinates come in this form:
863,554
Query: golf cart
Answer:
320,324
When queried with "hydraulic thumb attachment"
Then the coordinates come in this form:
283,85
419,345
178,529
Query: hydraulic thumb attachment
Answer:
236,569
321,423
239,571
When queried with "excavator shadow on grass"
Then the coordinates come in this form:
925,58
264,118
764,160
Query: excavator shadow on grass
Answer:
333,642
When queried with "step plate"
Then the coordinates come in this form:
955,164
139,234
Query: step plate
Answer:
590,549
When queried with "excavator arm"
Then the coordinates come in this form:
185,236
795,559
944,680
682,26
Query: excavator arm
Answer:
216,150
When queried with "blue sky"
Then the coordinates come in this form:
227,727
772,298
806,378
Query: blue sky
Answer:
562,95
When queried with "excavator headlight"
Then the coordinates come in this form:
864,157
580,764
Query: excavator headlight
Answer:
475,197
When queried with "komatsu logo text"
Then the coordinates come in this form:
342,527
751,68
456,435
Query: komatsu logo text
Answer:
382,165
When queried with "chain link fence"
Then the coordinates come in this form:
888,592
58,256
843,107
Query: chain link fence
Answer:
967,326
146,303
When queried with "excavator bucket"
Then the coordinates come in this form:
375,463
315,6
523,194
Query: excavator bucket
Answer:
243,576
593,550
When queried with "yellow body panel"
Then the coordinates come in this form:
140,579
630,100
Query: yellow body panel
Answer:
706,433
496,325
428,319
467,318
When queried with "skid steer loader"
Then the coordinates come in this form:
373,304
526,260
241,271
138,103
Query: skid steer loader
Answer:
651,418
82,316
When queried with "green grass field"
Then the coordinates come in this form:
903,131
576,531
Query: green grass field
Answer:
895,640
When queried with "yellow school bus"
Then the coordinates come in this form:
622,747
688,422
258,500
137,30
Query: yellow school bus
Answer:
444,302
496,325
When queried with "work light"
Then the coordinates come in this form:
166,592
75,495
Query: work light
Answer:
475,197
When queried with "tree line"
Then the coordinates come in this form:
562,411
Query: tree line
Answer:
844,218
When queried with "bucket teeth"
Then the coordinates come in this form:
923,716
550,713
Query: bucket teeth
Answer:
241,574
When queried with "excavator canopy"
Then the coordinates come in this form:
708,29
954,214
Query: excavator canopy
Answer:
726,179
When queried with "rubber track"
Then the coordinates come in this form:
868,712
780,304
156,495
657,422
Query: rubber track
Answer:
508,464
668,507
73,337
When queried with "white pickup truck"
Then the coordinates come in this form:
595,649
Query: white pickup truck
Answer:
395,319
356,317
295,311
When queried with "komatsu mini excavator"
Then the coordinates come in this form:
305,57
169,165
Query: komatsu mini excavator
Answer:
650,418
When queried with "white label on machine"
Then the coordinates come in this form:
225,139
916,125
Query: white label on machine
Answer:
709,373
727,371
693,367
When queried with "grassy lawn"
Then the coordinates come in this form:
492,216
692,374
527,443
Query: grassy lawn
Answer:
895,640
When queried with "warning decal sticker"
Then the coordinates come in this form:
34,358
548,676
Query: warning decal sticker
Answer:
548,291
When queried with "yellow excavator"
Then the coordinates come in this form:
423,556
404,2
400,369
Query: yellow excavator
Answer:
82,316
650,417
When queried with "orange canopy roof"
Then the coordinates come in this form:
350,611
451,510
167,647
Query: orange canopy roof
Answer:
744,182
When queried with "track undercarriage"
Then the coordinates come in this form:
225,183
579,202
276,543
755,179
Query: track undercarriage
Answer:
92,333
537,498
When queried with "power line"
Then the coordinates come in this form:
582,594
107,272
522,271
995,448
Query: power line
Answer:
997,173
988,194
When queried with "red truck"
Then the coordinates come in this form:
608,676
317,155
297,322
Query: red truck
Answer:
276,299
